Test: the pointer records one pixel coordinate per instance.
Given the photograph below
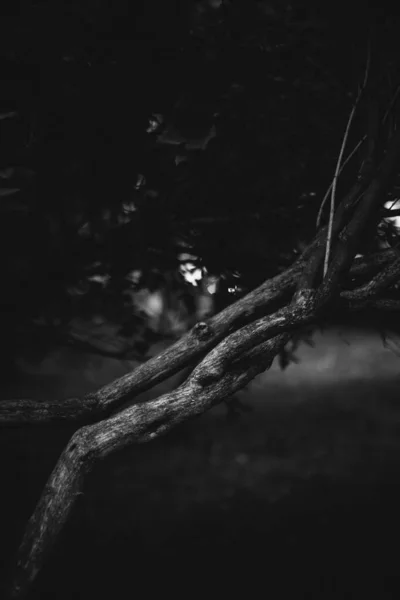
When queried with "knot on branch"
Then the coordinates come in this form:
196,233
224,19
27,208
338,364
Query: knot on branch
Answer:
202,331
209,376
303,297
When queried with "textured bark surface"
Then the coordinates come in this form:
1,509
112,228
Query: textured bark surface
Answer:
186,351
227,352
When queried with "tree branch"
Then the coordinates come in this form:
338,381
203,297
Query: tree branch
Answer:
186,351
350,236
381,281
225,370
339,163
388,213
236,360
136,424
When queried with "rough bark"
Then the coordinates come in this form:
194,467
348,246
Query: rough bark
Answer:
231,349
186,351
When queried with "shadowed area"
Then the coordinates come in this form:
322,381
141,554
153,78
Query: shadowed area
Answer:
305,479
159,162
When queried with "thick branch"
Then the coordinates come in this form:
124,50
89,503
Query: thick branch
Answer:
184,352
381,281
315,255
389,213
227,368
349,238
22,412
291,317
364,265
136,424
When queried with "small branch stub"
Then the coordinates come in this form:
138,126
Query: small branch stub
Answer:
202,331
304,296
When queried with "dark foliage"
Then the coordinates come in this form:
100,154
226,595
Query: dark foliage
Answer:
132,134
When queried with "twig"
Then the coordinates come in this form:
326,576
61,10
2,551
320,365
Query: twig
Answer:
339,161
350,156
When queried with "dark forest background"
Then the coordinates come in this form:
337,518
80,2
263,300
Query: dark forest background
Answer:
134,134
138,137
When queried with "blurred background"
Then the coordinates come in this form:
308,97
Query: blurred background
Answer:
299,472
149,146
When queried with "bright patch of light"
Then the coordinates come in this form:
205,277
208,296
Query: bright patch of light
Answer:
394,205
140,181
194,275
185,256
154,123
134,276
155,304
212,285
191,273
234,290
103,279
129,207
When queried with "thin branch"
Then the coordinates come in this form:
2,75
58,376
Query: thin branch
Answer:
350,156
314,255
328,191
339,162
350,236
